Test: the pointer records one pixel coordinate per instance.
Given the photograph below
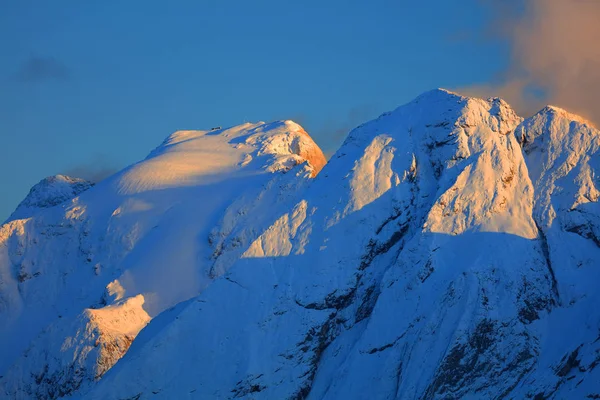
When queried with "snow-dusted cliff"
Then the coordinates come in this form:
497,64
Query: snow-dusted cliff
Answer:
449,249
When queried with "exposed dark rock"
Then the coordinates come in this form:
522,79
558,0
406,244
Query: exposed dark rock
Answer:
374,248
568,363
475,358
248,386
316,341
367,303
586,232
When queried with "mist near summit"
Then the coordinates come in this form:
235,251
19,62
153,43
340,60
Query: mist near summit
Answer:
553,55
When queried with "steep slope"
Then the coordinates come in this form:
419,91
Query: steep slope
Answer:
134,245
412,267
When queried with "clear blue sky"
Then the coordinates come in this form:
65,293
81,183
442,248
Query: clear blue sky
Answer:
90,87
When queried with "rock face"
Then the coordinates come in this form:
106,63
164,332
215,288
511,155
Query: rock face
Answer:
449,249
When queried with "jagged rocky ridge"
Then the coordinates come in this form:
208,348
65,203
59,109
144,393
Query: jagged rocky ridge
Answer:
449,249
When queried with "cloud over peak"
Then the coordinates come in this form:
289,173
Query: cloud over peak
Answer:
555,57
42,69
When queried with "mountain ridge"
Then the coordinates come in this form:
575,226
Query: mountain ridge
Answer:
440,253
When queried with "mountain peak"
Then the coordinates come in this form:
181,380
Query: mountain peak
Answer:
49,192
561,148
443,91
438,94
193,157
554,124
446,101
555,111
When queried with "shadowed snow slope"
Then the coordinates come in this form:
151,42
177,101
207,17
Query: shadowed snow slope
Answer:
449,249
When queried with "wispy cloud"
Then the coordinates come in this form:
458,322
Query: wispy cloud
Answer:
555,57
42,69
333,132
95,170
330,134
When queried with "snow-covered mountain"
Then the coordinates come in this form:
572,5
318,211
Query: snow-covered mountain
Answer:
80,279
449,249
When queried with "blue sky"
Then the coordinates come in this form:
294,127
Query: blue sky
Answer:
87,88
